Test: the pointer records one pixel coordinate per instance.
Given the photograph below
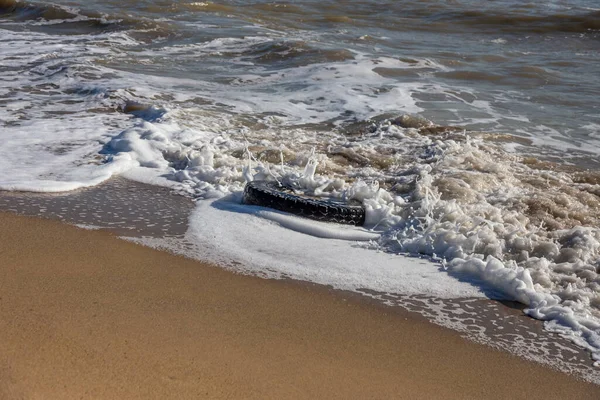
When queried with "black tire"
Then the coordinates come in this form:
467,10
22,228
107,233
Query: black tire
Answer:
273,195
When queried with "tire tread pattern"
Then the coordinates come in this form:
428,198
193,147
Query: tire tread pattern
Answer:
273,195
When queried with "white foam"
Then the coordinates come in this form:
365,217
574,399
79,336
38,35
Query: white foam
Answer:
51,143
227,233
53,147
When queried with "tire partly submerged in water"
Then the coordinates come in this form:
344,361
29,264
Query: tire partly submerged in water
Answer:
274,195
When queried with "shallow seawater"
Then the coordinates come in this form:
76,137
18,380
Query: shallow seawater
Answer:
468,131
126,208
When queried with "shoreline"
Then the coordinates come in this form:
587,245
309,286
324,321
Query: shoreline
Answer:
156,217
87,314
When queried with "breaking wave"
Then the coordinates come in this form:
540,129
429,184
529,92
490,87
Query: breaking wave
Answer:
525,227
68,20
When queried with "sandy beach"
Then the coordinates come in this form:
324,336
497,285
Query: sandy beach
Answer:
86,315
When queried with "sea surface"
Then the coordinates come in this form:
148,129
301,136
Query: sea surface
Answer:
469,130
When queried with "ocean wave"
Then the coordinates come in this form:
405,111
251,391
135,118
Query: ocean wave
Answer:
68,20
414,16
525,227
521,23
272,52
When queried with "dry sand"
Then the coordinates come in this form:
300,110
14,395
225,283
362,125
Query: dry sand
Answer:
86,315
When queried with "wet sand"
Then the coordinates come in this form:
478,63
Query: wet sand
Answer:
86,315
